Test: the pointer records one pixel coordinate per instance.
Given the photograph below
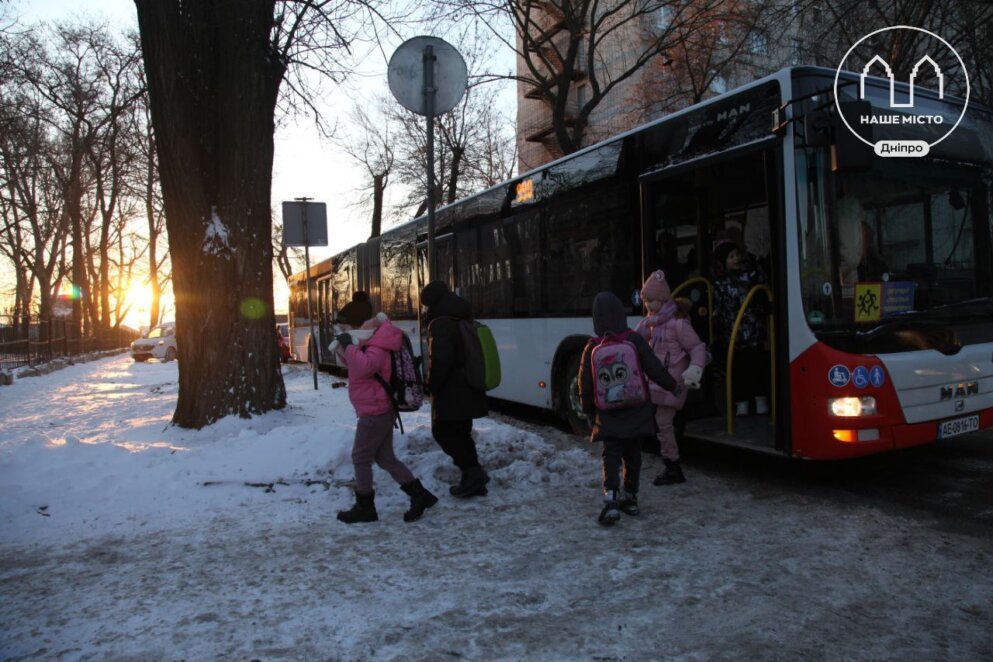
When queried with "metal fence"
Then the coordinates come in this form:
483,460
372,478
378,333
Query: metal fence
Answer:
35,342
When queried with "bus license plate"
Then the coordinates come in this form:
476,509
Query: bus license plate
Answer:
958,426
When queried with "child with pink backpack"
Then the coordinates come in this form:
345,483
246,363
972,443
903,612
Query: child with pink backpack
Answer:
668,330
367,353
614,393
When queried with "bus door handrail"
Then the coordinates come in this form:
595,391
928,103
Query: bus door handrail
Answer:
710,300
772,356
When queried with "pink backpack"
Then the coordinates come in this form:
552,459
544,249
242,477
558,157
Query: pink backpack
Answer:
620,382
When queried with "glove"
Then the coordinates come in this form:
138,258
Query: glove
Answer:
692,375
678,390
344,340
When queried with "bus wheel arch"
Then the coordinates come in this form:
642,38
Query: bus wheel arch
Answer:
565,369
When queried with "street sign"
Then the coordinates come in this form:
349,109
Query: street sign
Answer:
428,77
316,232
406,75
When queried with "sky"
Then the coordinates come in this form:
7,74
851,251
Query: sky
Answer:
122,537
305,164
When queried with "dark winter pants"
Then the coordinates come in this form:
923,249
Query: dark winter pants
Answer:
374,443
455,438
618,454
751,373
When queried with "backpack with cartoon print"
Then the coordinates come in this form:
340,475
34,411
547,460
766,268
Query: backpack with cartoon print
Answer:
617,374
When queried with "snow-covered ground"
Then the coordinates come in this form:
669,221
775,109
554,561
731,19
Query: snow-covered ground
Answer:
123,537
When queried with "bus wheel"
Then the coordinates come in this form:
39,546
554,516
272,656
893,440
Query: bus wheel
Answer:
569,408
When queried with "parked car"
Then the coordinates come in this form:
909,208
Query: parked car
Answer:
283,341
158,343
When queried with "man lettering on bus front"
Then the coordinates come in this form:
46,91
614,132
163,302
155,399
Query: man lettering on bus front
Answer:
454,403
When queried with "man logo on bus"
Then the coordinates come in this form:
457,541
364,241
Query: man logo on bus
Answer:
890,126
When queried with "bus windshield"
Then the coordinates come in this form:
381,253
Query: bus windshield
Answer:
904,245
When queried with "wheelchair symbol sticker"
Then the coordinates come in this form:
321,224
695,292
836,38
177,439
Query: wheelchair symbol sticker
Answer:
877,376
839,375
860,377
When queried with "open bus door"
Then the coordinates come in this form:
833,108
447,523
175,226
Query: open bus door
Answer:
688,211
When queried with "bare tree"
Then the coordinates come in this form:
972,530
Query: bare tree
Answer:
966,24
214,77
726,40
598,46
371,146
35,218
112,157
289,260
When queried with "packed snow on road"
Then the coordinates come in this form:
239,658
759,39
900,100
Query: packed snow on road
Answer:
125,537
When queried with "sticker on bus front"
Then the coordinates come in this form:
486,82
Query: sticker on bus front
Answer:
861,376
877,376
839,375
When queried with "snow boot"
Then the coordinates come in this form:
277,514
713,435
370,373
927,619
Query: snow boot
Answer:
420,500
473,483
364,509
672,474
610,513
628,503
761,405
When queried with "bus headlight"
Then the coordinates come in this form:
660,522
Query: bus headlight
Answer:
850,407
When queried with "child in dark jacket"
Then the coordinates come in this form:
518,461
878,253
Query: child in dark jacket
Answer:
367,354
621,430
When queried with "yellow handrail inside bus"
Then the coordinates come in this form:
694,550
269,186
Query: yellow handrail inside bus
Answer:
772,356
710,300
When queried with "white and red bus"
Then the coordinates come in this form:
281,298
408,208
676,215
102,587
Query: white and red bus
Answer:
860,362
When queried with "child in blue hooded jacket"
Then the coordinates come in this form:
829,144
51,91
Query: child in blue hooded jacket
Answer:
620,430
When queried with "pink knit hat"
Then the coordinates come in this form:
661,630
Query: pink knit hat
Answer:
655,288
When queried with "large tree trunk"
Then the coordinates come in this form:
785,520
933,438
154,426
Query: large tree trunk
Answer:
213,82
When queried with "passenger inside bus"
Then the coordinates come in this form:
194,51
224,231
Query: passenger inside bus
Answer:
851,217
872,266
750,368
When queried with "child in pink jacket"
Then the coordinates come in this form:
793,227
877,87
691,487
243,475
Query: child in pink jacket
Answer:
668,330
375,409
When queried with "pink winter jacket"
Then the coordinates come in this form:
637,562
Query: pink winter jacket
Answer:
367,395
677,345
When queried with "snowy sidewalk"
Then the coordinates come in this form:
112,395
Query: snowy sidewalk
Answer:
112,546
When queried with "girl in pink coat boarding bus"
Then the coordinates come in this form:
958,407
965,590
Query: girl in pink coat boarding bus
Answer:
668,330
367,353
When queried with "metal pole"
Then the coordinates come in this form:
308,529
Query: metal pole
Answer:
429,93
310,296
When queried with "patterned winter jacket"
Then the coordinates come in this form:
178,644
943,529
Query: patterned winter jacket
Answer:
677,345
368,396
730,291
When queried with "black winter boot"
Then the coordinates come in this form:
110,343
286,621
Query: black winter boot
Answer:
364,509
673,474
628,503
610,512
420,500
473,483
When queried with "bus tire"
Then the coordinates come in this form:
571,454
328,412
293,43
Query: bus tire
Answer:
569,408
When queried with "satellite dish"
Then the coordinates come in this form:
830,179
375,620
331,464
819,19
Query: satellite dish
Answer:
406,75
